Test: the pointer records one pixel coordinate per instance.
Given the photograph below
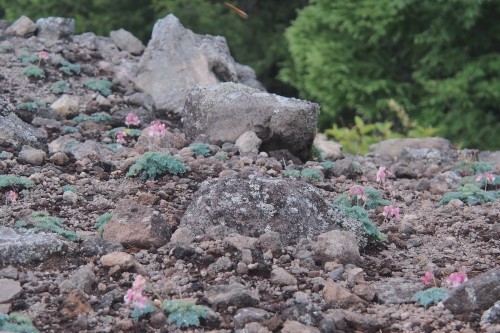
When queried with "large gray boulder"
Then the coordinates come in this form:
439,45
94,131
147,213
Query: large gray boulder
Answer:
176,59
223,112
254,205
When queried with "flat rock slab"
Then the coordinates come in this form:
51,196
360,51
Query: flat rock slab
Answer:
396,290
225,111
9,289
254,205
24,246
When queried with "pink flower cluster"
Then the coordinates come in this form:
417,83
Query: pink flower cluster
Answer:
12,196
488,176
157,129
43,55
358,191
134,296
120,137
132,119
454,280
391,212
381,175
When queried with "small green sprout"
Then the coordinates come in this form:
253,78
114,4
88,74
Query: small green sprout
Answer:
69,68
154,164
59,87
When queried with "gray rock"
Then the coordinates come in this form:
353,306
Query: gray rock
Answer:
182,236
221,265
475,295
70,197
281,277
233,294
255,204
55,27
86,40
492,315
346,167
23,27
72,147
348,320
330,150
24,246
82,279
225,111
247,315
396,290
246,76
6,106
253,328
9,290
66,106
29,155
15,133
137,225
9,272
176,59
337,245
395,147
248,142
127,42
97,246
59,159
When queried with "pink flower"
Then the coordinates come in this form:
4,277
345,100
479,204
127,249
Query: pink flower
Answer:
358,191
12,196
120,137
381,174
132,119
43,55
488,176
134,296
391,212
428,278
456,279
157,129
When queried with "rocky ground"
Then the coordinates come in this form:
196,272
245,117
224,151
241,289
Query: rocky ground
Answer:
252,230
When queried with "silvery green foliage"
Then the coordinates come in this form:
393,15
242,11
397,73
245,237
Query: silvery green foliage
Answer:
430,296
184,313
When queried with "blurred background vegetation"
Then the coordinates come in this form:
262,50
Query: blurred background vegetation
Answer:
378,68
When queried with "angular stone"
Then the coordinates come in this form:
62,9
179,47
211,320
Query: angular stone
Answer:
82,280
23,27
29,155
330,150
337,245
55,27
15,133
247,315
253,205
475,295
281,277
339,297
122,259
137,225
167,75
234,294
9,290
248,142
127,42
223,112
66,106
